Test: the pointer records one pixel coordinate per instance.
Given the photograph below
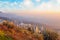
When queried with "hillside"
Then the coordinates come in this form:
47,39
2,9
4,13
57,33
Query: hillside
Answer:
14,33
10,31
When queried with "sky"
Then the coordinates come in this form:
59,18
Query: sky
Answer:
46,11
30,5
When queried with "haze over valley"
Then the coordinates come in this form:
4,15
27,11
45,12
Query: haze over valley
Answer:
51,20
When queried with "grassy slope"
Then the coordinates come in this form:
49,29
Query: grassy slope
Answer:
16,33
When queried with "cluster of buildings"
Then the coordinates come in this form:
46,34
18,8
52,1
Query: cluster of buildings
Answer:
35,28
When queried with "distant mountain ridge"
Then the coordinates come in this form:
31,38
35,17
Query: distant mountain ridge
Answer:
16,17
13,17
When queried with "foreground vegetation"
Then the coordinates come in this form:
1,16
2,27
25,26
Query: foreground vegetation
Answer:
9,31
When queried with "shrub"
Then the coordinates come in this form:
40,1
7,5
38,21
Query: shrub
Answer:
1,33
3,37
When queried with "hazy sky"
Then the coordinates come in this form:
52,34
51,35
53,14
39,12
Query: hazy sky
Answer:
46,10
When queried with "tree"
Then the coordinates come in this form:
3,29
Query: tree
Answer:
49,35
30,29
8,24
